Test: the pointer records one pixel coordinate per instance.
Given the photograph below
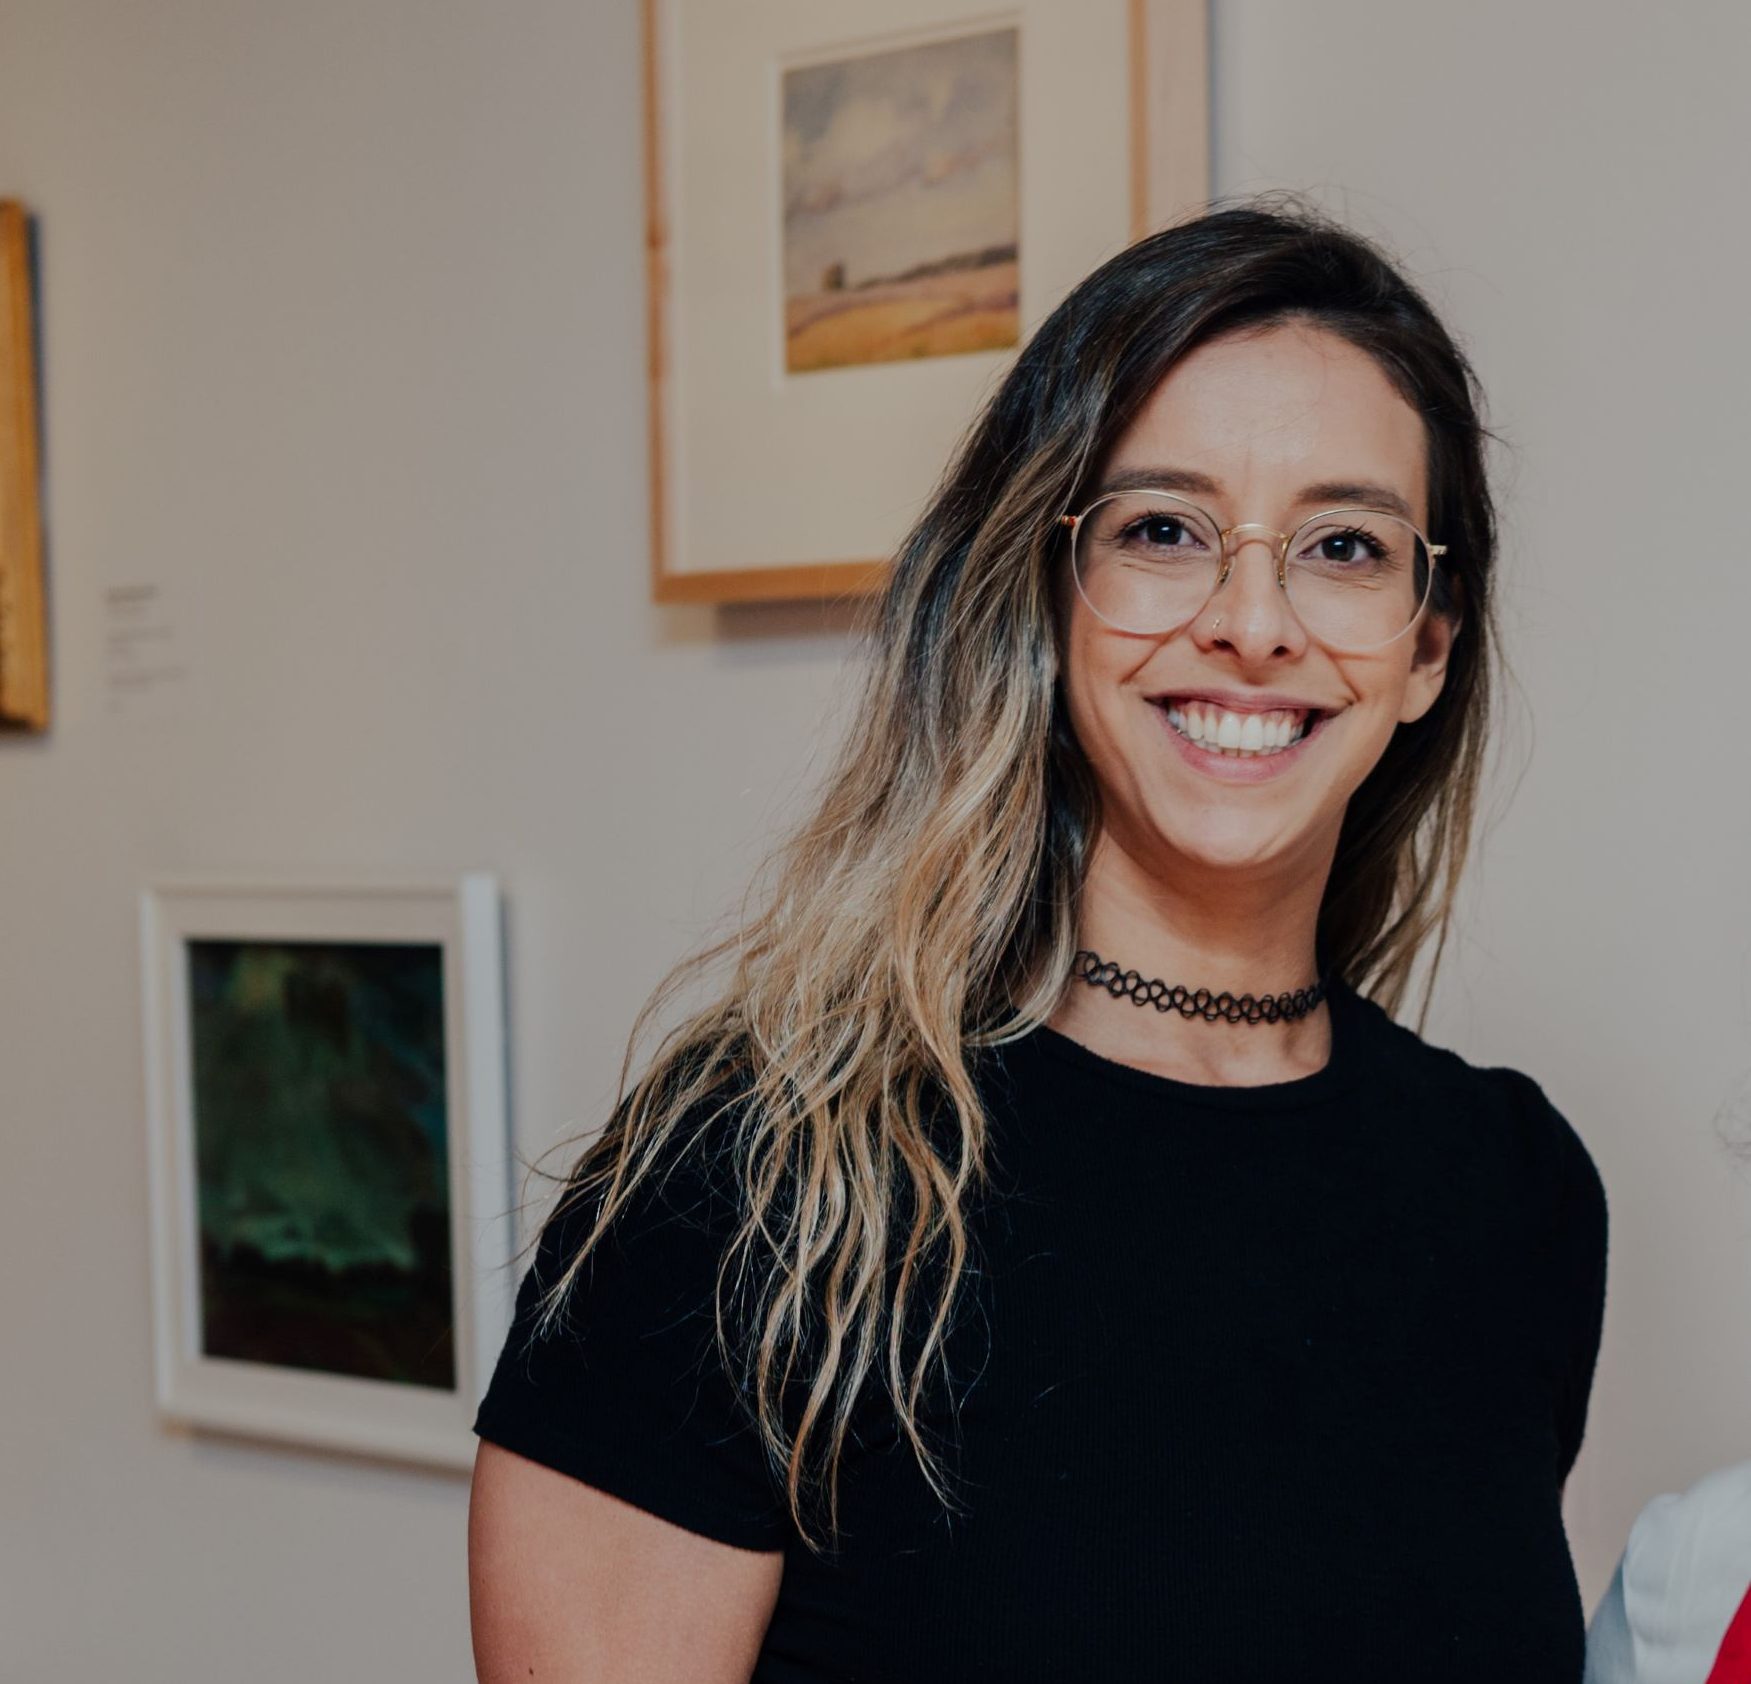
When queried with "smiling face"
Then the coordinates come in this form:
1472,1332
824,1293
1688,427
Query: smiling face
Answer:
1252,427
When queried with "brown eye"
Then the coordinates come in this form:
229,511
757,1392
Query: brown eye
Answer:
1161,532
1352,545
1369,545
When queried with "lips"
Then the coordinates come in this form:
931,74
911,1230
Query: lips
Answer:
1243,702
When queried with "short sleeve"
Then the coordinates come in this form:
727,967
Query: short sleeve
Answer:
1582,1226
627,1392
1575,1236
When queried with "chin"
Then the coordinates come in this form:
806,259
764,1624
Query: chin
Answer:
1242,848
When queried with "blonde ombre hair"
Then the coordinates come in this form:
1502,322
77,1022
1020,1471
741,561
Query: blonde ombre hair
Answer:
927,908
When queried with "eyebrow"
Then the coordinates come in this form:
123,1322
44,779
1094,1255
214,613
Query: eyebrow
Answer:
1328,493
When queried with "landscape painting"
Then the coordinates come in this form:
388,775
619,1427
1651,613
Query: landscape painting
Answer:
900,196
321,1131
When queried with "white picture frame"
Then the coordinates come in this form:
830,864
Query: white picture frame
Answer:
302,1036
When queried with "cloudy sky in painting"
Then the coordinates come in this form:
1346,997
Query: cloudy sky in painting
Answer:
899,157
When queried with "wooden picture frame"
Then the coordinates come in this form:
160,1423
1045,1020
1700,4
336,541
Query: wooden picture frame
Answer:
767,483
330,1172
24,672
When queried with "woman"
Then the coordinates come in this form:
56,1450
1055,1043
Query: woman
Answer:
979,1289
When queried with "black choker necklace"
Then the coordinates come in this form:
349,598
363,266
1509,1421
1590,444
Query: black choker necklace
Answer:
1196,1002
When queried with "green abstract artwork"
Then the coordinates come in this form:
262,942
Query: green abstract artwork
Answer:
321,1142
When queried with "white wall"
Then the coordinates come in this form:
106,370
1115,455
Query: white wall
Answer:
343,330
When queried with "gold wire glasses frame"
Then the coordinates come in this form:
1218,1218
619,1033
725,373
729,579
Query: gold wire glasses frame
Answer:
1139,585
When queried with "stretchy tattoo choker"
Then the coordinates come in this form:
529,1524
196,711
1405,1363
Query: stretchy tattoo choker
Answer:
1196,1002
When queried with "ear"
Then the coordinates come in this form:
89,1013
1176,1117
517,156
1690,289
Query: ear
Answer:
1434,643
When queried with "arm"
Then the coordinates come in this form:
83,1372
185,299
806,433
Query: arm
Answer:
571,1585
1574,1230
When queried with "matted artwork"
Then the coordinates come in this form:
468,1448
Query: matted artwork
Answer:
900,203
330,1158
24,668
857,215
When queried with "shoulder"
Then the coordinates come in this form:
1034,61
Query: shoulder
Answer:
1495,1105
1510,1098
631,1245
1712,1516
684,1203
1553,1142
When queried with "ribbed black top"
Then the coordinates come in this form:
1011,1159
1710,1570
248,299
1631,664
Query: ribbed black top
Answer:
1270,1383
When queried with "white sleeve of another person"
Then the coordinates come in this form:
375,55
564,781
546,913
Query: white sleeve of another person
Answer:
1683,1575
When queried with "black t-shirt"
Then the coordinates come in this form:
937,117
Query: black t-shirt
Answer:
1257,1384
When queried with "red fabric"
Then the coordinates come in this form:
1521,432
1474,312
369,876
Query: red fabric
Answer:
1733,1661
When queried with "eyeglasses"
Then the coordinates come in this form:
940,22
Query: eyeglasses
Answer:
1149,561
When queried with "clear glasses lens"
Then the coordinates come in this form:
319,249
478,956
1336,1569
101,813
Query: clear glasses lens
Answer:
1148,561
1357,578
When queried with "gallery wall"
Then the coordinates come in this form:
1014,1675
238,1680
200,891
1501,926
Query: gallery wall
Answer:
343,343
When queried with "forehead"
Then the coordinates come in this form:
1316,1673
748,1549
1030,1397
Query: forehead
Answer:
1264,413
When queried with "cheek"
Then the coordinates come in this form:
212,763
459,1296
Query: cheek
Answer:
1369,733
1106,717
1085,717
1377,691
1088,685
1378,688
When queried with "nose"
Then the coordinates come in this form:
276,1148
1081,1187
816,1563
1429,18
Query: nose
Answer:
1249,611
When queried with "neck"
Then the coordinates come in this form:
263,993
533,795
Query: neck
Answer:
1247,932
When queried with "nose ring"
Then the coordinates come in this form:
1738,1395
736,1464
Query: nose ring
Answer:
1216,622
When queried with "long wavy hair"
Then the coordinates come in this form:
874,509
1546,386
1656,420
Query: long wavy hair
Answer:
927,907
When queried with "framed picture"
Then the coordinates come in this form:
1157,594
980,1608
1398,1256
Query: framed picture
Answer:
24,675
330,1169
856,217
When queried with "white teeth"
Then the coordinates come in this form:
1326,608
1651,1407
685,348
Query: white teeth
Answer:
1238,734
